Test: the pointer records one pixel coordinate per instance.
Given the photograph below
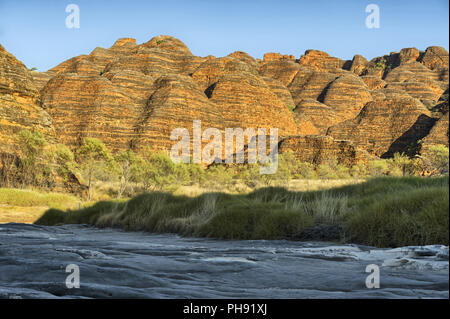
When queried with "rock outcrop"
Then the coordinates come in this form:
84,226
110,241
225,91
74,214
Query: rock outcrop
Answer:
310,84
133,95
320,115
358,64
347,95
277,57
246,101
387,126
281,70
435,58
321,61
19,104
319,149
20,109
439,134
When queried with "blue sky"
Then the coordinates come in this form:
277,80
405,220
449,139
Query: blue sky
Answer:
35,31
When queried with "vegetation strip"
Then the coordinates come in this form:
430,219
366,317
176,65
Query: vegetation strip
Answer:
382,212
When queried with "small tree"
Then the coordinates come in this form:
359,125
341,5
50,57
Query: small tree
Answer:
93,157
31,146
129,166
64,160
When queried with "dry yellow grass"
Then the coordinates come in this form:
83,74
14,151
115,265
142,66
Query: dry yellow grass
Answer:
26,206
297,185
304,185
17,214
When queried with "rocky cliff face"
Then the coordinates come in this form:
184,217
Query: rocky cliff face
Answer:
19,103
387,126
133,95
318,149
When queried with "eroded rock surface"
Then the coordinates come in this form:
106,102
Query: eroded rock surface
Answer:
118,264
133,95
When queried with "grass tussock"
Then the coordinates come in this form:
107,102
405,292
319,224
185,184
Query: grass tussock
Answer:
383,212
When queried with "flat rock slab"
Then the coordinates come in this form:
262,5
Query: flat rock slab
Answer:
119,264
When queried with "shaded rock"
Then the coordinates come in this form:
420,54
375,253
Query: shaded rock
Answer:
387,126
209,72
439,134
332,232
309,84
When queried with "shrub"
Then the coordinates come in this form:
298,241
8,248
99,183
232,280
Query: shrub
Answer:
378,168
218,176
324,171
401,165
159,172
359,170
306,171
437,158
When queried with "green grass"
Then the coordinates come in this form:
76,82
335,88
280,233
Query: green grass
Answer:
28,198
383,212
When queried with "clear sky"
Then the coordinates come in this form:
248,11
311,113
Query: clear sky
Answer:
35,31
